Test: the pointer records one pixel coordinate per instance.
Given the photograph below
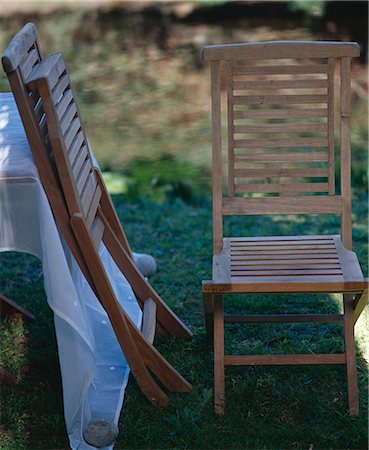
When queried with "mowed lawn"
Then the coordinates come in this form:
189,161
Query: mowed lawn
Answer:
146,110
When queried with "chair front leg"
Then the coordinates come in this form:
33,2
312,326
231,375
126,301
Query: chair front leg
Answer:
219,390
352,387
208,301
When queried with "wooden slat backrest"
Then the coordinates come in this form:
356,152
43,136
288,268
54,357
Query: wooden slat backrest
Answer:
68,140
280,129
20,58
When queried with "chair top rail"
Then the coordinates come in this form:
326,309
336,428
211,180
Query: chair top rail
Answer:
18,47
281,49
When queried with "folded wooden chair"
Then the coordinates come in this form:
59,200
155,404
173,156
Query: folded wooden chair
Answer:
84,211
280,139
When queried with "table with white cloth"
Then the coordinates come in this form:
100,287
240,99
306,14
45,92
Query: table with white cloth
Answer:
94,371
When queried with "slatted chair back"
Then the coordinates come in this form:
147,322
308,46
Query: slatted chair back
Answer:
280,129
86,216
69,143
89,210
20,58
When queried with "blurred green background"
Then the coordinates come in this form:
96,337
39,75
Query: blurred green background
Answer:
144,96
143,91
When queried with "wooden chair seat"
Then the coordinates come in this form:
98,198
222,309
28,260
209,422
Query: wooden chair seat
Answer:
285,264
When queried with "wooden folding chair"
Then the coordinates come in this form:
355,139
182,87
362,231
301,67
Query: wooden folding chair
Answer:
84,211
280,139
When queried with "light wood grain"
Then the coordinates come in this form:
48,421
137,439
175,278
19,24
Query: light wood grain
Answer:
361,303
279,84
149,320
230,130
283,360
279,99
346,228
29,62
282,157
280,49
84,199
280,128
217,158
286,143
285,318
274,113
279,187
18,47
280,205
350,352
219,390
330,125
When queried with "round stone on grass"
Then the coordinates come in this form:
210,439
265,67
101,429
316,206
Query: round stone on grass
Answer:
100,432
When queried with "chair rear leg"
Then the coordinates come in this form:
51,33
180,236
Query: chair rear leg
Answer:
352,387
219,390
208,302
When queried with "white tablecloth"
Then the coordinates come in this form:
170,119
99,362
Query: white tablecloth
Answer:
93,368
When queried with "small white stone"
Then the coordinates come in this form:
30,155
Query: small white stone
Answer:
100,432
145,263
112,368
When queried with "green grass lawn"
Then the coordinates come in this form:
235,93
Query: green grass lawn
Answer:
267,408
145,105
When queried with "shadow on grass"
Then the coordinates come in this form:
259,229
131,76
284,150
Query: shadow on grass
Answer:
280,407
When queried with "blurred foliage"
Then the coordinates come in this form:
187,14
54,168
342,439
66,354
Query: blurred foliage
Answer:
144,96
310,7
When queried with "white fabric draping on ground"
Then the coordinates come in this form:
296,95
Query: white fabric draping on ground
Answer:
93,369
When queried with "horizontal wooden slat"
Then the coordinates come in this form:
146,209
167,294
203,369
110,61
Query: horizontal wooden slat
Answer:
75,147
83,174
280,128
307,284
93,206
297,254
50,68
293,246
38,109
301,243
285,263
280,70
285,273
60,88
283,157
282,205
288,173
278,99
97,231
79,161
88,193
279,84
291,269
62,106
294,258
280,49
285,318
280,188
27,65
280,113
70,134
282,360
275,143
67,118
308,238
